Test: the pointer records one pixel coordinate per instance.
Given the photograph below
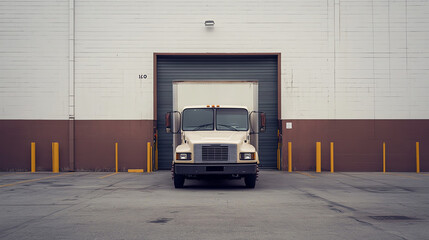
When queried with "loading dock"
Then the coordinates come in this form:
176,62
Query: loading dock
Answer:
260,67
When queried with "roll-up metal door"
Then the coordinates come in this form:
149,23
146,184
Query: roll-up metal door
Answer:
261,68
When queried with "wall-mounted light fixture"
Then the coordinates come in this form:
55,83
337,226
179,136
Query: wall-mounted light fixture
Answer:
209,23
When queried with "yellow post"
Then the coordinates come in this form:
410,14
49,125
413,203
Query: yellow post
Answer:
116,157
55,157
278,150
148,157
318,157
384,157
278,156
33,157
289,156
151,158
156,152
417,157
332,157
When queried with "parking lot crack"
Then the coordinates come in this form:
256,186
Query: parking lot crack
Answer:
382,186
329,202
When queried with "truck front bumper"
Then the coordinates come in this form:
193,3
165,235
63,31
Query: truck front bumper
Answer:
215,169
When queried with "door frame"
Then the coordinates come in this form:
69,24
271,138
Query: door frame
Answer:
155,82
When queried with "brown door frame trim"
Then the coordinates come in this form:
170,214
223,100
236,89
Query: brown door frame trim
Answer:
155,70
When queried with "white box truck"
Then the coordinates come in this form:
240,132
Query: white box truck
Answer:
215,126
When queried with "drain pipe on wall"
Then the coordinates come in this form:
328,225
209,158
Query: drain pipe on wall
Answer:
71,100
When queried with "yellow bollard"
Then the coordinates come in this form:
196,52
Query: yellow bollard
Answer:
332,157
384,157
279,145
289,156
55,157
417,157
151,158
116,157
33,157
318,157
148,157
156,153
278,156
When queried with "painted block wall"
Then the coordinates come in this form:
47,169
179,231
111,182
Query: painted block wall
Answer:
34,54
340,59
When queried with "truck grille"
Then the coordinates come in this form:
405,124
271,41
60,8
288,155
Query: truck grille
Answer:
214,153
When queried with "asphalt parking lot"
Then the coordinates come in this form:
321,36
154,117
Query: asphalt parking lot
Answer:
299,205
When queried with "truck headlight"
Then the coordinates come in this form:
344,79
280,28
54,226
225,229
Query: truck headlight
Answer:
247,156
183,156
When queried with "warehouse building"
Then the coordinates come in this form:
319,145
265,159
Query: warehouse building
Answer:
89,74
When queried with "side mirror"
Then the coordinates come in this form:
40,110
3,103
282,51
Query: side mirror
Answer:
172,122
258,121
263,122
168,122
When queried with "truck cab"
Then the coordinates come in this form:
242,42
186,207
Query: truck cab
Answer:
215,140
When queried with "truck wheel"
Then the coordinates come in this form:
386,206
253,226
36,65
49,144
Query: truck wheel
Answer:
179,181
250,181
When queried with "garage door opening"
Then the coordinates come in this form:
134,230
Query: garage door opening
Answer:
263,68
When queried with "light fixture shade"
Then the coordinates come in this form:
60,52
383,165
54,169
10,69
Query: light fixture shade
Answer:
209,23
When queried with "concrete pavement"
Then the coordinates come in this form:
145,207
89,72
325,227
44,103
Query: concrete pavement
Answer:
299,205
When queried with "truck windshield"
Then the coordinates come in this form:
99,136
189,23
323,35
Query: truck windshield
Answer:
198,119
231,119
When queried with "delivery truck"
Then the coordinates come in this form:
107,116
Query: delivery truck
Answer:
215,127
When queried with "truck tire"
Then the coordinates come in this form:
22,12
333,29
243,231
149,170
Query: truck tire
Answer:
250,180
179,181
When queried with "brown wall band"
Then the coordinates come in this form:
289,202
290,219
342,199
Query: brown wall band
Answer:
358,144
94,141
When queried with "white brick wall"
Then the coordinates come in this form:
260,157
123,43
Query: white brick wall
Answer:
340,59
34,59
